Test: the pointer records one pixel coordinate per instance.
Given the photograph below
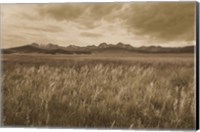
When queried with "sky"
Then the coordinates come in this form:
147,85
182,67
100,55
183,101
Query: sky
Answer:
170,24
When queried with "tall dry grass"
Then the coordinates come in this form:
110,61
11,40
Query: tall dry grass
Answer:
100,94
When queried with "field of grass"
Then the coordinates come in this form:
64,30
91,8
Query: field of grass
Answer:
146,91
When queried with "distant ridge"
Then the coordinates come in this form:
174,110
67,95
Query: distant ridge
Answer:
101,48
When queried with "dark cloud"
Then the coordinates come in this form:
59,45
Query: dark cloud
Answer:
87,15
94,11
61,11
104,11
88,34
162,21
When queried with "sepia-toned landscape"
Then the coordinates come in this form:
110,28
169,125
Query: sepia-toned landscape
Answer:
99,65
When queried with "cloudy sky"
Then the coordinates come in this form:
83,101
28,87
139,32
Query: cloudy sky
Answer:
138,24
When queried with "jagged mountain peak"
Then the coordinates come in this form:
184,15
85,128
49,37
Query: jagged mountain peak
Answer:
35,44
103,45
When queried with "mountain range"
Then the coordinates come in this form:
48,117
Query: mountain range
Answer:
101,48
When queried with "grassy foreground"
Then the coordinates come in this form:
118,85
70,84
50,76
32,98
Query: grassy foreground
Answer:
100,94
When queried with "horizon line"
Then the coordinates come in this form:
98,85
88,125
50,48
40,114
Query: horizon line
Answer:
44,44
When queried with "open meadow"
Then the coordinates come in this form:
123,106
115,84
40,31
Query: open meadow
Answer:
155,91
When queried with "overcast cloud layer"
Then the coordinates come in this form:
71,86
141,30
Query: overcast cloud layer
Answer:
165,24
